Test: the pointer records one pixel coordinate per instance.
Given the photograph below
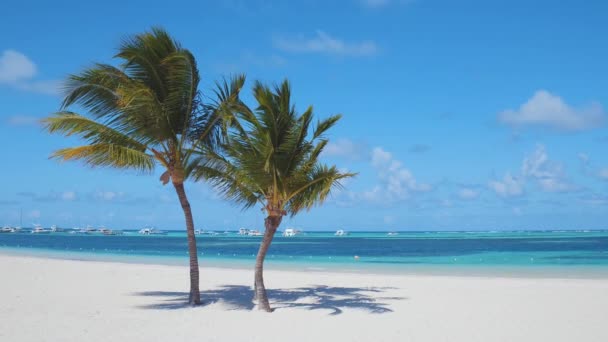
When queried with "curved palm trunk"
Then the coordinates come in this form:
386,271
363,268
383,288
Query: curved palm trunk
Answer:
271,223
195,295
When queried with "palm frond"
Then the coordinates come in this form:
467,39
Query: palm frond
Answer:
324,125
106,154
95,89
317,186
151,102
68,124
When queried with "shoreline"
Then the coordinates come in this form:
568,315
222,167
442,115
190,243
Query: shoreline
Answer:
472,271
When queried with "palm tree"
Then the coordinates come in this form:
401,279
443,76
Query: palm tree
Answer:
273,161
146,112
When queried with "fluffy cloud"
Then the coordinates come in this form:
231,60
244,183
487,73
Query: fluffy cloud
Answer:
324,43
345,148
538,168
549,175
509,186
397,181
548,110
22,120
15,66
18,71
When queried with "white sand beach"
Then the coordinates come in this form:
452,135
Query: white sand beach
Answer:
65,300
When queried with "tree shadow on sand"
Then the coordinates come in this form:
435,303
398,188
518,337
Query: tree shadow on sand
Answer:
317,297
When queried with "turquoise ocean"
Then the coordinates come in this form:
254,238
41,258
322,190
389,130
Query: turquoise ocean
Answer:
542,253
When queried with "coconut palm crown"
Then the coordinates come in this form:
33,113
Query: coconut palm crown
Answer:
146,112
273,161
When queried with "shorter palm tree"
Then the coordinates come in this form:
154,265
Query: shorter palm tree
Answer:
272,160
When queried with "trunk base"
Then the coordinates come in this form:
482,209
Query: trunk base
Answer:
271,223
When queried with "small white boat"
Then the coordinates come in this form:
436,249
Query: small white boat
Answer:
243,231
341,232
8,229
39,230
392,234
87,230
151,231
56,229
254,233
102,230
291,232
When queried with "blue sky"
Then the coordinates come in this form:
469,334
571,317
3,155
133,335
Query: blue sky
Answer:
457,114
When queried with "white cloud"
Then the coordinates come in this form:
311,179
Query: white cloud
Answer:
548,110
509,186
68,196
468,194
15,66
345,148
108,195
537,167
397,181
324,43
22,120
548,174
18,71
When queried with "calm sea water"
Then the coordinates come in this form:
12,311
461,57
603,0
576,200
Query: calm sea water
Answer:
565,251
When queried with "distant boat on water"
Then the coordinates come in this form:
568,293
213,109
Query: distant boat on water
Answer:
341,232
56,229
112,232
392,234
291,232
8,229
39,230
151,231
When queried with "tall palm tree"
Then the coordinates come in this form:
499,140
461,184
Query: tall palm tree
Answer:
272,160
146,112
